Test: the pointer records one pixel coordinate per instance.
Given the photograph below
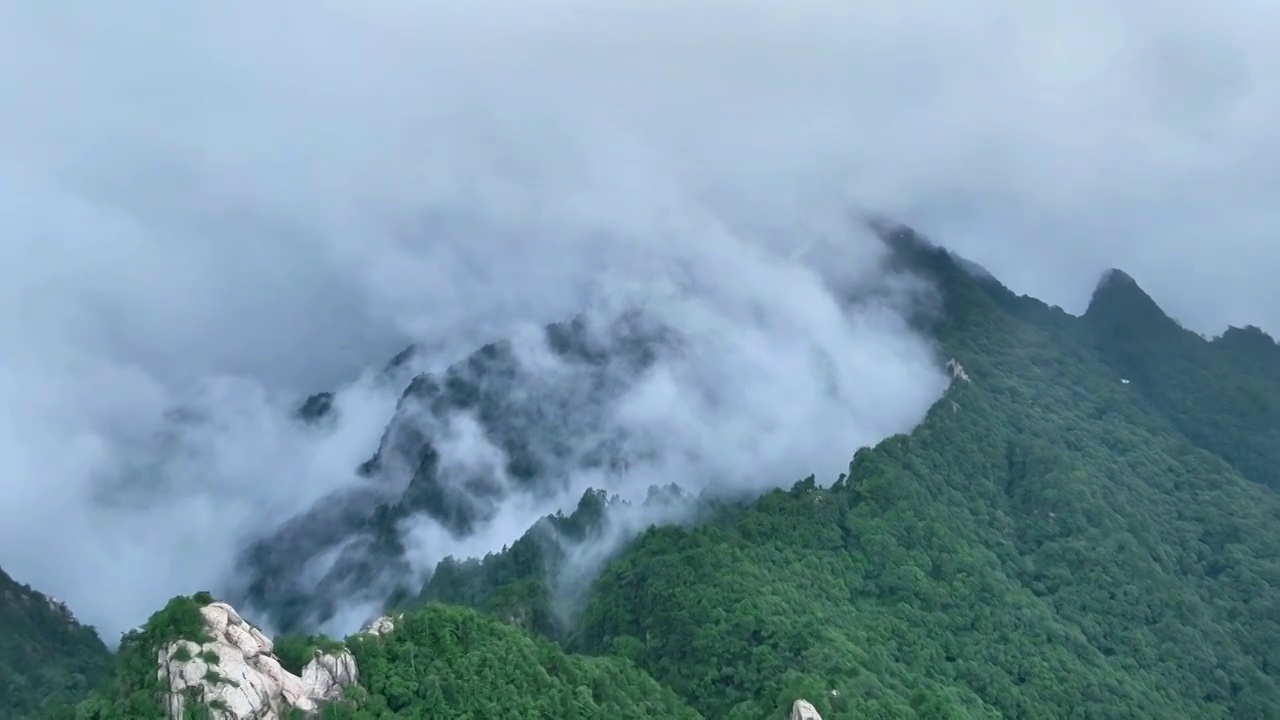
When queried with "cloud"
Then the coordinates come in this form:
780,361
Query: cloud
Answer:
733,370
742,372
226,205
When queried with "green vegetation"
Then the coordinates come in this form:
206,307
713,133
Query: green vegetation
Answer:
295,651
1086,525
440,661
134,690
1223,395
512,584
1050,542
450,662
48,661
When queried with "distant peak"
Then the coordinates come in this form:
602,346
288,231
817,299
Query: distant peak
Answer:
1117,285
1249,340
897,235
401,358
1119,298
1248,333
1116,277
917,251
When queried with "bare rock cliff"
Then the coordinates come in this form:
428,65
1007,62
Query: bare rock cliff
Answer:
237,675
382,625
804,710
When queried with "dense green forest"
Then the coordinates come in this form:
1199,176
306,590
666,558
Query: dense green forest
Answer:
1085,526
47,659
439,661
450,662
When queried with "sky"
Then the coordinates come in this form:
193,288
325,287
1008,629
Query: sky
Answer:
222,206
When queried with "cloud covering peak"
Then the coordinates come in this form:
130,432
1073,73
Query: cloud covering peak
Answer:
224,206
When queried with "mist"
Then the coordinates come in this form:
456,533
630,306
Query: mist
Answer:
211,210
726,366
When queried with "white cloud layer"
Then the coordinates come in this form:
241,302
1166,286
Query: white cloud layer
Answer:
228,204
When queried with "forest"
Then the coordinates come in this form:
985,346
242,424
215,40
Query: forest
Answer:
1086,525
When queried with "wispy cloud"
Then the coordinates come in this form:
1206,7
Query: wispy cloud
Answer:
228,205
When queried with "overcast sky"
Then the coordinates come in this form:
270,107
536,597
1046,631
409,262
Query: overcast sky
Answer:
278,194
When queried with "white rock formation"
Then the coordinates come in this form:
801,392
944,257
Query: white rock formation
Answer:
237,674
382,625
957,370
804,710
326,675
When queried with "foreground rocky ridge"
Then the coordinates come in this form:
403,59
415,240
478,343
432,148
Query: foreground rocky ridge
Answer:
235,674
199,660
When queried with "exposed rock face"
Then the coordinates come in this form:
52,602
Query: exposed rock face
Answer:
382,625
501,397
326,675
237,675
804,710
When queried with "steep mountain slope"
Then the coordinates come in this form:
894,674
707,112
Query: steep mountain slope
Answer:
543,578
47,658
1223,395
544,425
1086,525
526,425
1050,542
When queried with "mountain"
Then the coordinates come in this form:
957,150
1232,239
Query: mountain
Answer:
1085,525
543,424
48,660
1222,395
1055,540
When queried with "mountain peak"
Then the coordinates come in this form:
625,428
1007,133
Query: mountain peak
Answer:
1118,298
1116,277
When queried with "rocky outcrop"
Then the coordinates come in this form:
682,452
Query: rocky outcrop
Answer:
957,371
237,675
804,710
327,674
382,625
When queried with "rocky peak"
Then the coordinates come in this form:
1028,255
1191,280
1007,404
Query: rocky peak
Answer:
237,675
804,710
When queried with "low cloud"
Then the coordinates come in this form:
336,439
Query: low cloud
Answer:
760,371
223,207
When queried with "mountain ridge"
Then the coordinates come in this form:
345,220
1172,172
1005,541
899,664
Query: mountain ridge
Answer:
1117,294
1083,525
